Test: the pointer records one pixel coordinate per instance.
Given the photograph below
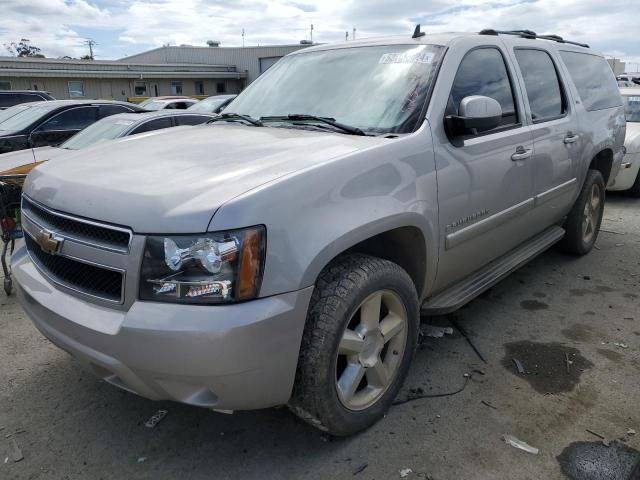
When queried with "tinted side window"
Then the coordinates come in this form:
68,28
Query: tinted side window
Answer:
542,84
108,110
7,100
484,72
72,119
29,97
151,125
594,80
191,119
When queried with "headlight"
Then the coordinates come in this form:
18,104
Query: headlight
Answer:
219,267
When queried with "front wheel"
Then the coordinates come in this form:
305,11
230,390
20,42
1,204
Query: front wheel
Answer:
359,339
583,223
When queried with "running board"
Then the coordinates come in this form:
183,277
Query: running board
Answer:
466,290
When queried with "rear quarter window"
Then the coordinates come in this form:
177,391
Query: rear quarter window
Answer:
594,80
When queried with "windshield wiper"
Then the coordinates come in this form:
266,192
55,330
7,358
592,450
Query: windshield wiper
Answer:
236,116
327,120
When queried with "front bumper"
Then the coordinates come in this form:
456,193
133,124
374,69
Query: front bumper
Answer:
627,174
227,357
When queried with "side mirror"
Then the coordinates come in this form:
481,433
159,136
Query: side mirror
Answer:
476,113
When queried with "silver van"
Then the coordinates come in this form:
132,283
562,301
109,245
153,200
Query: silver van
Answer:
283,253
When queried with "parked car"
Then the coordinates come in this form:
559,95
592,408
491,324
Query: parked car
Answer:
170,103
628,178
39,124
283,253
213,104
109,128
9,98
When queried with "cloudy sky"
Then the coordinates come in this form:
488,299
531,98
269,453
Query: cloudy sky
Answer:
123,28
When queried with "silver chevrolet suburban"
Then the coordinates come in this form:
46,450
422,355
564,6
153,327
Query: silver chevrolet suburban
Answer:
283,253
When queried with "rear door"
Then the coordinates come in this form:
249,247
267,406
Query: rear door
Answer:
485,182
63,125
557,142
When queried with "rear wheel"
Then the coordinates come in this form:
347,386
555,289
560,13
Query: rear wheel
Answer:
360,336
583,223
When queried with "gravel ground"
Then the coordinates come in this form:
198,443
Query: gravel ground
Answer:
561,317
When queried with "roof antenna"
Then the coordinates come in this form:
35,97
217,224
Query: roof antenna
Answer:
417,33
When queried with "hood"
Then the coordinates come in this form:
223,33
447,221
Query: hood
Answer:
174,182
22,161
632,139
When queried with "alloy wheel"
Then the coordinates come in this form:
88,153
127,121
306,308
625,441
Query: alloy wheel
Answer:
371,350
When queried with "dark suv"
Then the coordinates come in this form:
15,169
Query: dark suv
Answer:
50,123
9,98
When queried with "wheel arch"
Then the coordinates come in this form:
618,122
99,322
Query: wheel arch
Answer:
403,239
603,162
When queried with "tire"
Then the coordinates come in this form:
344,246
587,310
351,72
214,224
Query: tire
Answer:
634,191
338,390
583,223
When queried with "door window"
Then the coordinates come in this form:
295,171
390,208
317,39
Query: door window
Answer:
199,87
108,110
72,119
221,87
151,125
542,84
483,72
191,119
176,88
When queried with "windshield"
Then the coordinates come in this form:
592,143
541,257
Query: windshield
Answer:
25,117
106,129
377,89
631,108
209,105
153,105
11,111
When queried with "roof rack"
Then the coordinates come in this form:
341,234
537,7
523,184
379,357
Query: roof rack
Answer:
531,35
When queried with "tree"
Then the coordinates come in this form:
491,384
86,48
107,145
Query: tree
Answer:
24,49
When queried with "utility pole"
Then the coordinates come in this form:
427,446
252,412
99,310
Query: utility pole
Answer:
243,38
311,32
90,43
346,36
353,37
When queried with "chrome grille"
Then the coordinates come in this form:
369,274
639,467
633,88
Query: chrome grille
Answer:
88,279
84,231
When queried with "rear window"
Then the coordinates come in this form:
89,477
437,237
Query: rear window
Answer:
594,80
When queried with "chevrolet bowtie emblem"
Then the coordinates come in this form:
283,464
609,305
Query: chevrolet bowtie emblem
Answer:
49,242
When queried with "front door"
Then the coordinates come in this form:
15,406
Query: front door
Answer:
556,139
485,182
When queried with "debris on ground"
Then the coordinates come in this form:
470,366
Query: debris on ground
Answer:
453,318
360,469
405,472
484,402
17,432
142,459
514,442
156,418
586,277
605,442
631,431
568,362
519,366
16,453
435,331
612,231
621,345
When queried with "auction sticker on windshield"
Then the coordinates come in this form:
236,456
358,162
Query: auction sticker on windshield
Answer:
406,57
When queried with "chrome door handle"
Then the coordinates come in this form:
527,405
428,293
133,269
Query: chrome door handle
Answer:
571,138
521,154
